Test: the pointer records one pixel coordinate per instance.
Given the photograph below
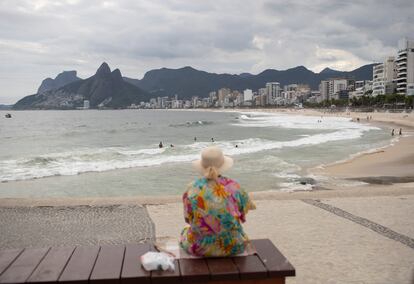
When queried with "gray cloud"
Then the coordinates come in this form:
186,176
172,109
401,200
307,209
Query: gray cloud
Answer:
40,38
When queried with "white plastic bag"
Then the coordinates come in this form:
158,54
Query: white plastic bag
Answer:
157,261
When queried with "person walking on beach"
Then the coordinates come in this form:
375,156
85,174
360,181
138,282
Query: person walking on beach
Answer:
214,209
400,132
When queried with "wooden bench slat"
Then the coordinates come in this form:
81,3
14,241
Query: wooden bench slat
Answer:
132,270
273,259
108,266
23,266
7,257
80,265
194,270
250,267
222,269
122,265
52,265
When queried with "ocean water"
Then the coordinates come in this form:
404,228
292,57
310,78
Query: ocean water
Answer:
115,152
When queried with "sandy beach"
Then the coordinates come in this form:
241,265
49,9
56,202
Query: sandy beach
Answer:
387,165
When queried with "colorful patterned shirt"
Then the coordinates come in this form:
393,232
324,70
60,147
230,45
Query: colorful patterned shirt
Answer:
214,211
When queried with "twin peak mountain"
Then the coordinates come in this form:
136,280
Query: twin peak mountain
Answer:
67,91
110,90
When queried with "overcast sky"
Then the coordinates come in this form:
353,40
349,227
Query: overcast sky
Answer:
41,38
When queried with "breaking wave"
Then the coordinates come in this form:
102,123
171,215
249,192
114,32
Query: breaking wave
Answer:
111,158
192,123
255,119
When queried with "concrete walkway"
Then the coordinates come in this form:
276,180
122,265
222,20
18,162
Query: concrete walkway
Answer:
335,240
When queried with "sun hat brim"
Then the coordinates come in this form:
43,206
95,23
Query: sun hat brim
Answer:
227,164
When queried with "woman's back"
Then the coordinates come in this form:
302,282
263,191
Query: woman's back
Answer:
214,210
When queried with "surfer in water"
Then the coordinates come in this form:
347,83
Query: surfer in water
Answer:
160,145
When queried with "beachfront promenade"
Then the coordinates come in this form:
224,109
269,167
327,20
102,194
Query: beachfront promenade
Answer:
326,247
352,239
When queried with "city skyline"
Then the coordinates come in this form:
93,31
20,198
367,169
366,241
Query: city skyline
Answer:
40,39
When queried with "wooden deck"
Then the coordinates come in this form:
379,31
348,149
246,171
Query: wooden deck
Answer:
121,264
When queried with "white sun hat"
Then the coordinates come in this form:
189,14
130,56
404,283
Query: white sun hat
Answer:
212,157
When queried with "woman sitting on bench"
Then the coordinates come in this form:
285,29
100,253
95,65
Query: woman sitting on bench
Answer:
214,207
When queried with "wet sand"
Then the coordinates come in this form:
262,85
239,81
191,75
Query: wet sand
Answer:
396,160
389,165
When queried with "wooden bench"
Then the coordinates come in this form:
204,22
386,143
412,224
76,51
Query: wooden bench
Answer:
121,264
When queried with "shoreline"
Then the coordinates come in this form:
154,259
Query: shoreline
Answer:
398,169
397,158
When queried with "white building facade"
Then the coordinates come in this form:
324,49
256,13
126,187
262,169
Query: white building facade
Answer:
248,95
405,67
383,76
273,93
324,90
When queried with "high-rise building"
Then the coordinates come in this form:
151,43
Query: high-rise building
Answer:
273,92
248,95
324,89
337,85
383,77
261,97
222,94
361,87
212,96
405,67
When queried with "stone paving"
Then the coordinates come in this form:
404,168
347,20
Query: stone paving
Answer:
47,226
380,229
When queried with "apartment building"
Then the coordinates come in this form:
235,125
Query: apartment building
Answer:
405,67
273,92
383,77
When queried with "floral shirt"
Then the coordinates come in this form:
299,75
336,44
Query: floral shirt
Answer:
214,211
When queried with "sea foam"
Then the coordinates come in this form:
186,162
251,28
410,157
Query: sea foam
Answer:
110,158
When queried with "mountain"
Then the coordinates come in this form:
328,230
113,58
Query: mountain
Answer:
187,81
328,71
104,89
61,80
111,90
245,75
5,107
